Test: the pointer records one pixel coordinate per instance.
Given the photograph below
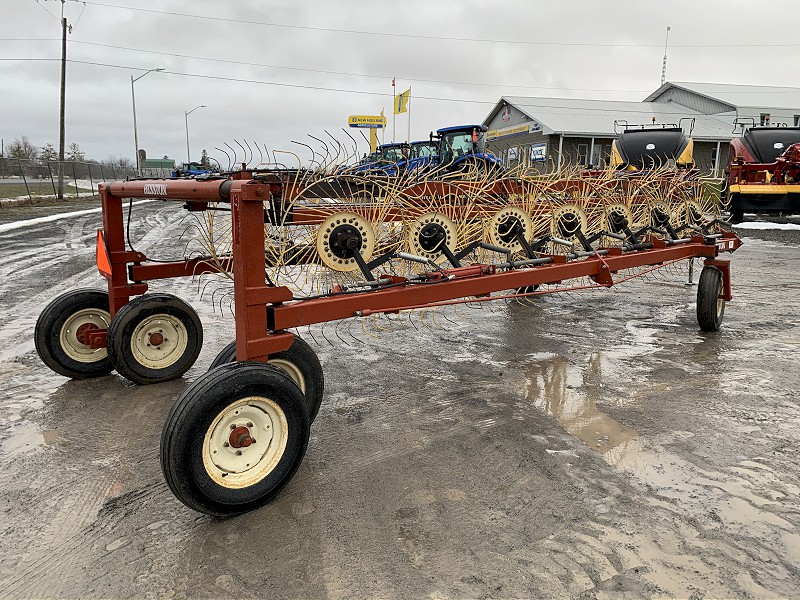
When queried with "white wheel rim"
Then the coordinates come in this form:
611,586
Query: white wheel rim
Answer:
572,210
292,370
159,341
74,334
365,230
418,224
501,218
229,459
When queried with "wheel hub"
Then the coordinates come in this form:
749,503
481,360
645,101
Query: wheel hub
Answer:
431,236
159,341
82,333
240,437
509,229
429,233
341,237
568,224
345,241
659,216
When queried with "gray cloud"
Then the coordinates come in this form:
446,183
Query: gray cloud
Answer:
99,104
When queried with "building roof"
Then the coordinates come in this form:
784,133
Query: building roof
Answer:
595,118
738,95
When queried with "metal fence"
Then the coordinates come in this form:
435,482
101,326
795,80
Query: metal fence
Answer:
20,178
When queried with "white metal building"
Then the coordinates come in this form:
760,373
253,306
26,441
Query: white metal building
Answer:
555,130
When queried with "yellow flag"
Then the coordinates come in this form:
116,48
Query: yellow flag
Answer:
401,102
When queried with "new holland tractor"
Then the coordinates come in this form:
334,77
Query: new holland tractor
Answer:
462,149
395,159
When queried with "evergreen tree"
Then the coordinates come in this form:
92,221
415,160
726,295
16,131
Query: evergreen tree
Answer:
48,153
75,153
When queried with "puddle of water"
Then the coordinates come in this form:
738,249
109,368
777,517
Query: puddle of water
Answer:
559,389
746,498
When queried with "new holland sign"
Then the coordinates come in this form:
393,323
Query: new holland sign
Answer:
367,121
513,130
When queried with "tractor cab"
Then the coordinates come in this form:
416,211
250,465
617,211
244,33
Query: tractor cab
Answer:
397,158
642,147
462,147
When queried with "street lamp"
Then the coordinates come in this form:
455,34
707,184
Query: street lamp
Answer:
135,132
186,116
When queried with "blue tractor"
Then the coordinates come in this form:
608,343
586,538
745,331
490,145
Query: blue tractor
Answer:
395,159
462,149
192,169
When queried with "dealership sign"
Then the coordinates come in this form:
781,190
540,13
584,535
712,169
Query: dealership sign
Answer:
531,127
367,121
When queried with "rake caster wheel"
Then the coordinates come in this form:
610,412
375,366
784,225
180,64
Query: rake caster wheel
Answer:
299,362
61,334
154,338
234,438
710,303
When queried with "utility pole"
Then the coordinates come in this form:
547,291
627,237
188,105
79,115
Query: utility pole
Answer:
63,95
664,66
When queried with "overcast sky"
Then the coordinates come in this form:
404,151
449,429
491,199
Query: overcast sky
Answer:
271,72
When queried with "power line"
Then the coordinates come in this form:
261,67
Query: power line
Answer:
218,18
384,77
359,92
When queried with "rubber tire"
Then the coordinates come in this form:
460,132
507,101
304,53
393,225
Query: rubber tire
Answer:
47,334
710,311
303,357
195,411
130,316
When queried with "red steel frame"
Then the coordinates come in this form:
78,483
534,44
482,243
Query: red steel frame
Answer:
265,312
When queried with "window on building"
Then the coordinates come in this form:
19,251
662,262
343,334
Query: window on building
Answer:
714,158
513,153
583,153
764,119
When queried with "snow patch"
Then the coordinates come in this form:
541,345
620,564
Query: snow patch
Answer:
28,222
762,225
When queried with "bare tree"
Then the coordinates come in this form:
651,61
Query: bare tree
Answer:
22,149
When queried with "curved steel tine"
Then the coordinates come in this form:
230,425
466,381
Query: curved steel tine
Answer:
246,164
235,157
313,153
226,154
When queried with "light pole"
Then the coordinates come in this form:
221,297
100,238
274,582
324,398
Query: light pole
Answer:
186,116
136,133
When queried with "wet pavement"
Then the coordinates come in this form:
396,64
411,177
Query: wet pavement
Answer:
588,445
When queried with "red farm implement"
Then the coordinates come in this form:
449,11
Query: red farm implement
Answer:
236,436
